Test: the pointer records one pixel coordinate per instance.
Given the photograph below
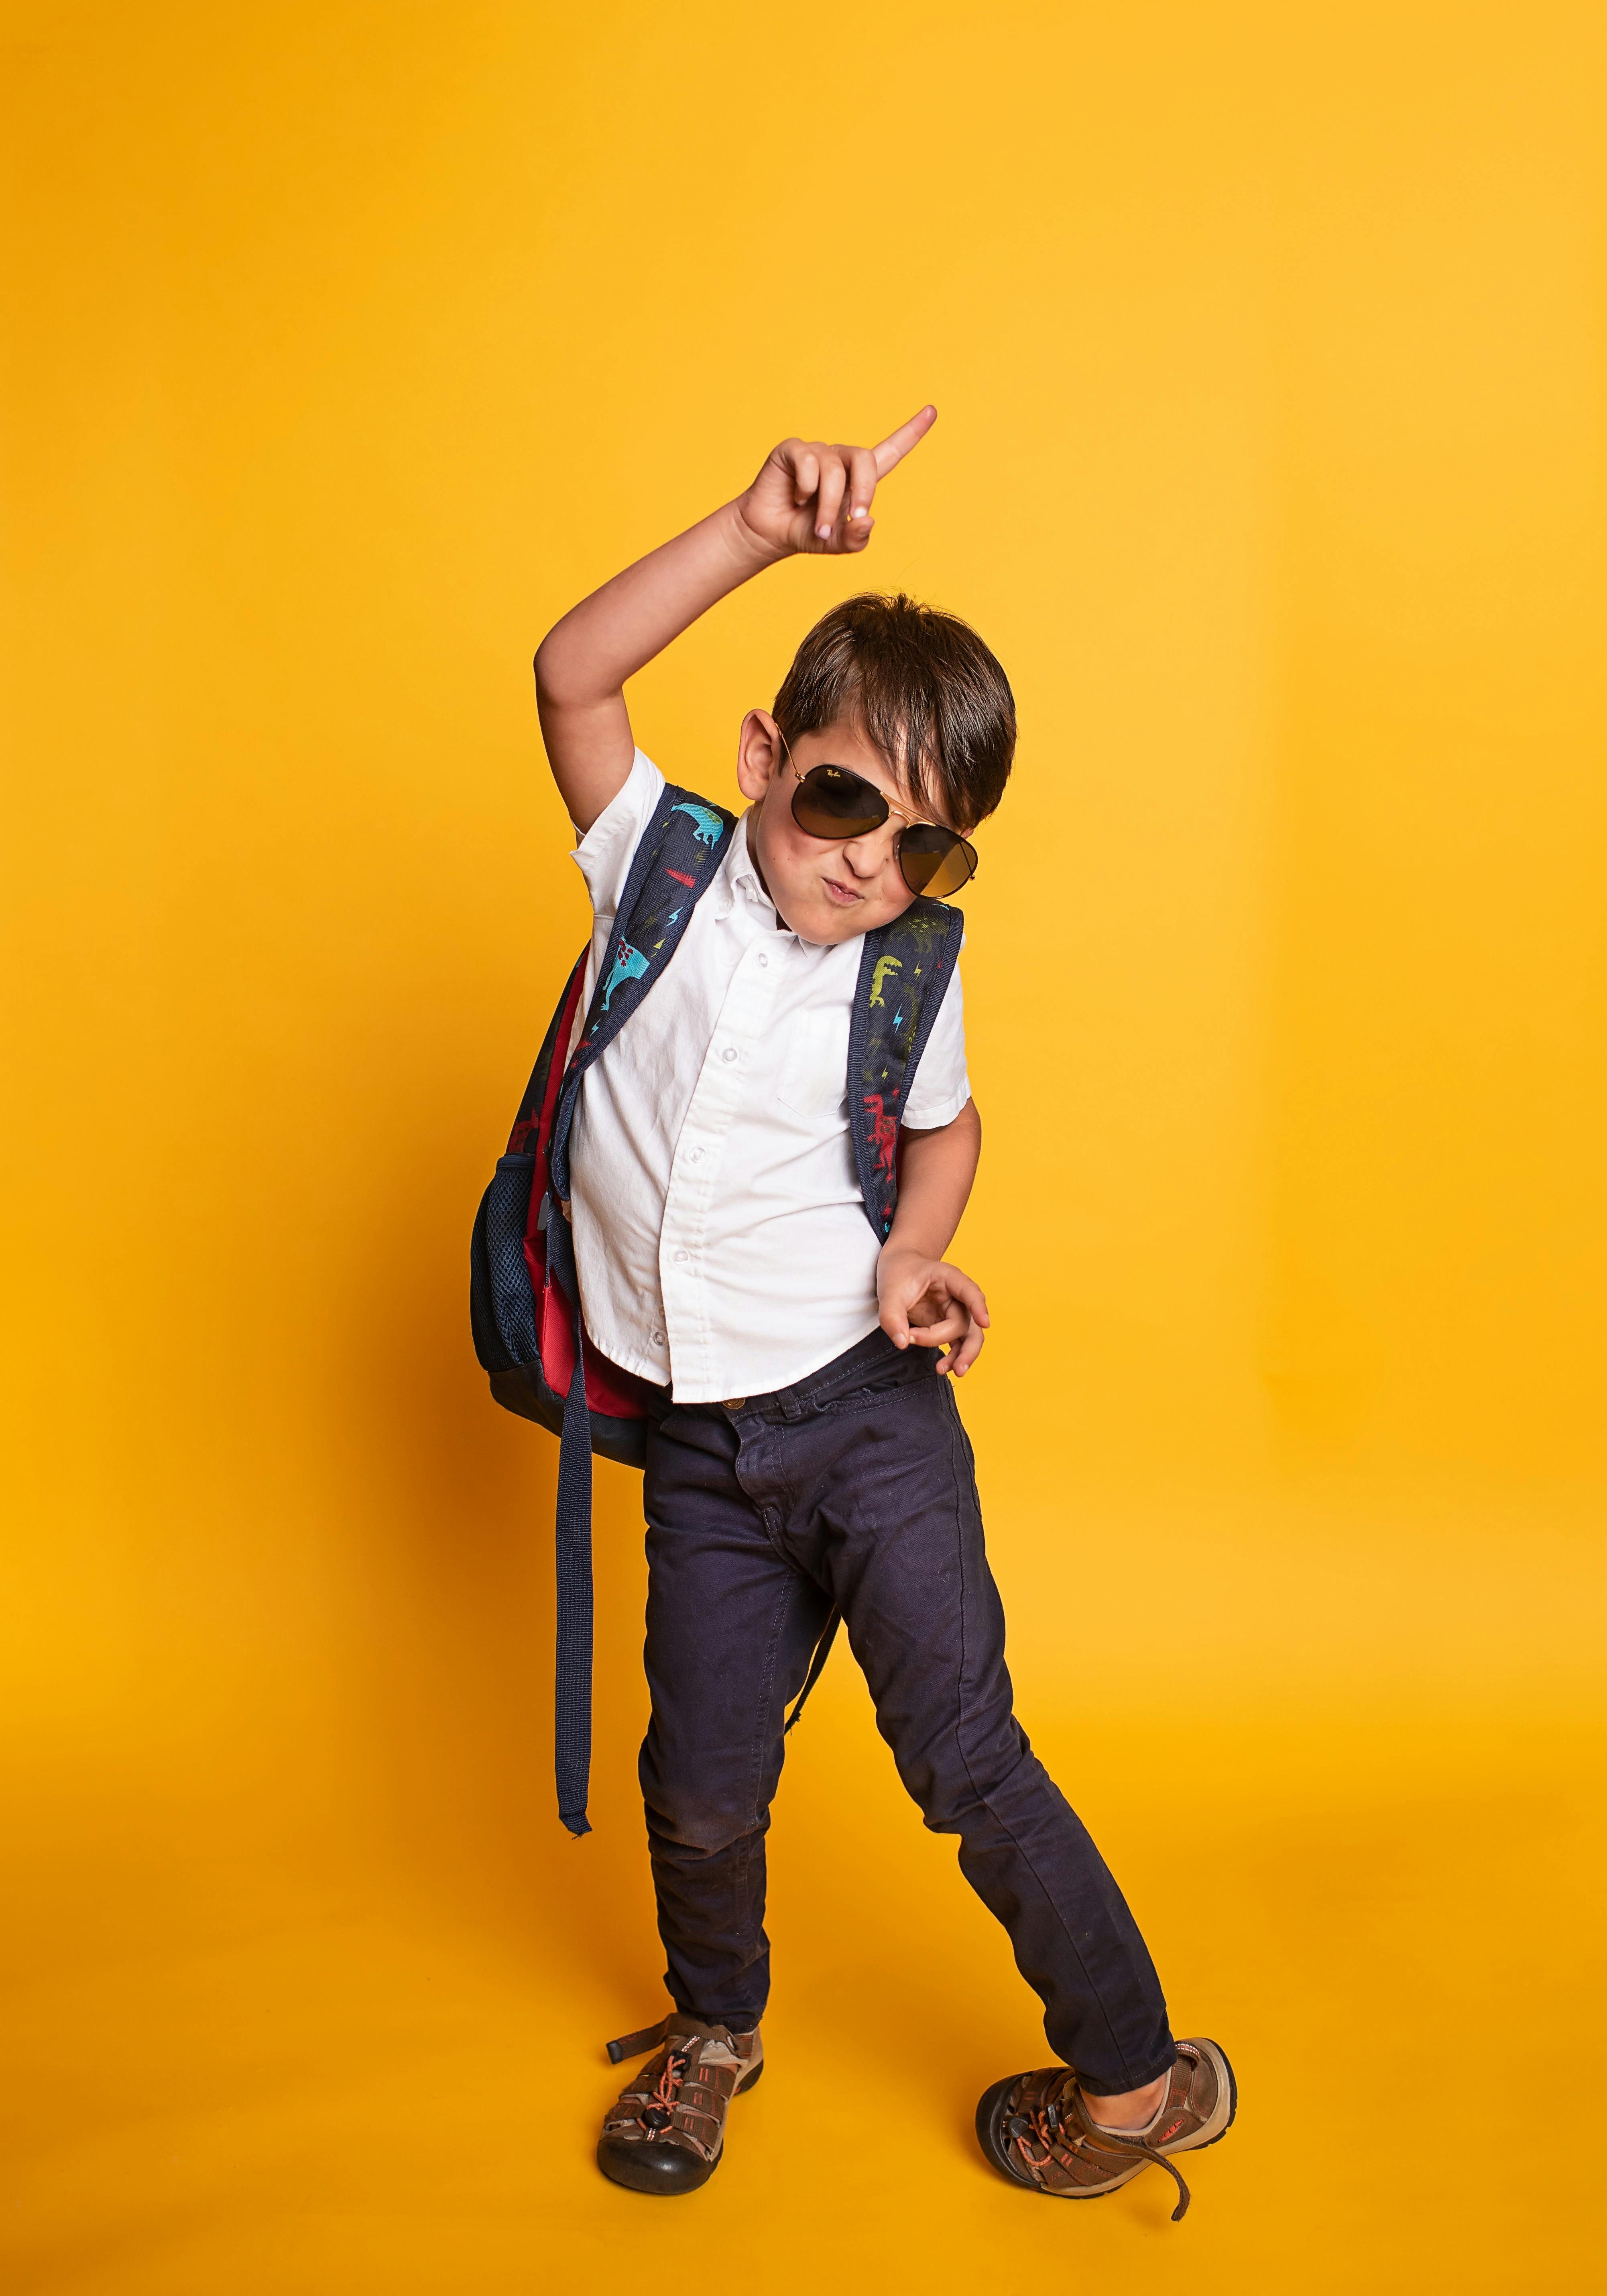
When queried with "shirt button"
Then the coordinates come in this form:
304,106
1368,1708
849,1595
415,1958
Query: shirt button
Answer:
658,1339
696,1156
680,1255
763,962
729,1054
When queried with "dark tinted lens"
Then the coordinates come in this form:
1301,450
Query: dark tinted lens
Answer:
935,861
829,801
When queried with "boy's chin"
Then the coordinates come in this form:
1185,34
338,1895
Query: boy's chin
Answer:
815,916
822,922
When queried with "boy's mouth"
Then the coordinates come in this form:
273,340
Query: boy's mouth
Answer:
843,895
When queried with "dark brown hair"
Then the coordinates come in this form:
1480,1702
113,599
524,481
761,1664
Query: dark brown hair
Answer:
921,685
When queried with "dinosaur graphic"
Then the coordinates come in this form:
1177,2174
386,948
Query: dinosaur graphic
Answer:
679,875
707,824
885,965
884,1131
629,964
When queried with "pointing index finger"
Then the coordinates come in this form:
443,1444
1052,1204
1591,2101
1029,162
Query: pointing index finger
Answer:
897,443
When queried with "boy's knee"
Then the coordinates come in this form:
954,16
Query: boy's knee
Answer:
702,1826
954,1786
695,1807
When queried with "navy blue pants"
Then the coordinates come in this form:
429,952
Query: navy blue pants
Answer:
857,1487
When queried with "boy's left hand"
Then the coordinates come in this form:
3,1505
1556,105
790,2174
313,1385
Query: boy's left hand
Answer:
932,1304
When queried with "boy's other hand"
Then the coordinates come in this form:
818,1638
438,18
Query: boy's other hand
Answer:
931,1304
811,497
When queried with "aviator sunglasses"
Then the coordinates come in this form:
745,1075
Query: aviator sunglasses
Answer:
833,801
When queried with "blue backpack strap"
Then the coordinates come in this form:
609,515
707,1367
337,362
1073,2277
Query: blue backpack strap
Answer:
572,1548
904,974
673,867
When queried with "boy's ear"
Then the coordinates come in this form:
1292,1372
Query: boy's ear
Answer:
758,754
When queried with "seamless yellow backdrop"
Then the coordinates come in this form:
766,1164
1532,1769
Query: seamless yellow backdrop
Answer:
346,345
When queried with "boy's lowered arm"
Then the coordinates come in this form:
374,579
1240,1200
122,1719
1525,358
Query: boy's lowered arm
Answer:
921,1297
807,497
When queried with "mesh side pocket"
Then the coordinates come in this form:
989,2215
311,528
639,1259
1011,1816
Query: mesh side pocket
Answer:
502,1307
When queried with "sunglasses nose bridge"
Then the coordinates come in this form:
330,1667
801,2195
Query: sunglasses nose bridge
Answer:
881,834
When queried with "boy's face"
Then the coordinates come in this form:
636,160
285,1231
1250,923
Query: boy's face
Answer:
824,890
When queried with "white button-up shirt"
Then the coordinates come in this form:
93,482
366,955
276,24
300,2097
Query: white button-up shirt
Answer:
719,1230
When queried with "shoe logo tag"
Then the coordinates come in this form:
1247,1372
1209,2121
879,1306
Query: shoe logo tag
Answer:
1175,2126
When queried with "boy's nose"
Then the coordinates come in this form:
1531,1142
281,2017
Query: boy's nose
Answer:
869,855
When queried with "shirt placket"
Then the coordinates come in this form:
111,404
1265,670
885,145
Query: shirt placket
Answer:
722,1085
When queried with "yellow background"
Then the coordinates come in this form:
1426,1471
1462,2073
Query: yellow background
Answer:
346,345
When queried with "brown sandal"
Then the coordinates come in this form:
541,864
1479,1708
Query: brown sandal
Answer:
667,2129
1037,2128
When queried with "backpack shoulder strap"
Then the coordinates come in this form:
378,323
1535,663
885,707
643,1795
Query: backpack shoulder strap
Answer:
904,974
534,1120
672,868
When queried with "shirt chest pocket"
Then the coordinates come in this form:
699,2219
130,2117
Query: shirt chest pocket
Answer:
814,1066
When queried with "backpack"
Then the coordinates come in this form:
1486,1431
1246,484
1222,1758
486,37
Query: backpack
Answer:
524,1293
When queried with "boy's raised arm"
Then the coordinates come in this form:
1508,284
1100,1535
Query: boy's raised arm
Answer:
808,496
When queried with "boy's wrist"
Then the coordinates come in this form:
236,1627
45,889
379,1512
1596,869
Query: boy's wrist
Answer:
756,550
901,1247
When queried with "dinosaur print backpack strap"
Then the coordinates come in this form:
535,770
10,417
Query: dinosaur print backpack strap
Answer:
903,975
522,1306
674,864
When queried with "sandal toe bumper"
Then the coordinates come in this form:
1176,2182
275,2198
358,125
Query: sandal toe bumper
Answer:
665,2169
993,2109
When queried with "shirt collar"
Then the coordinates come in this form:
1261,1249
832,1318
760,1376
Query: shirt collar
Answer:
742,877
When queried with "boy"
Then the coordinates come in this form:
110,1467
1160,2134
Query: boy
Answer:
805,1457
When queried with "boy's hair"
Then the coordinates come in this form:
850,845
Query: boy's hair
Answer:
921,685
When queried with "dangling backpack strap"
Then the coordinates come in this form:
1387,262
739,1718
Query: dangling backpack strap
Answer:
904,976
817,1666
572,1548
673,866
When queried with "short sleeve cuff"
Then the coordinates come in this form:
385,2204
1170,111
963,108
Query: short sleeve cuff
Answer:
930,1115
604,854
